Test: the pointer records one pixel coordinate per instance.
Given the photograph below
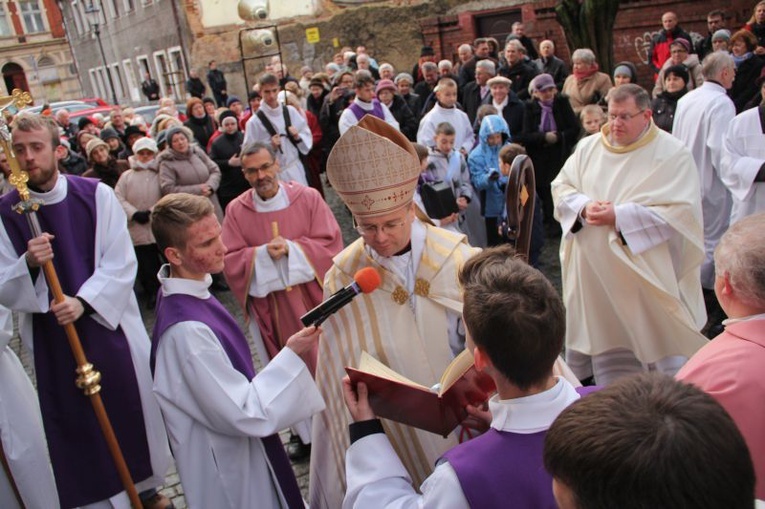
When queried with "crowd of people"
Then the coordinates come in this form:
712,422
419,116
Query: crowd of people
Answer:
657,197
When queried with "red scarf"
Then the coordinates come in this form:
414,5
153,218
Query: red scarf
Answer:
580,75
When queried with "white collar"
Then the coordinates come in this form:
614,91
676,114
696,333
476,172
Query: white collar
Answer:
501,106
532,414
271,111
363,104
445,111
731,321
278,202
177,285
55,195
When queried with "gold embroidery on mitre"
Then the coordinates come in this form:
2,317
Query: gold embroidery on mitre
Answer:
400,296
421,287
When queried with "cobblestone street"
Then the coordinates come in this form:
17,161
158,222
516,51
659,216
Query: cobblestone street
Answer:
173,489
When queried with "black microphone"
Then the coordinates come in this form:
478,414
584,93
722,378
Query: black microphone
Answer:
365,280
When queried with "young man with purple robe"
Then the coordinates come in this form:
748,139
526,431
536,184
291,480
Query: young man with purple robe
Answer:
365,103
514,321
281,238
222,419
86,237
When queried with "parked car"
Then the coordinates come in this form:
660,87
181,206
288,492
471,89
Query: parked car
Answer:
103,110
95,102
54,106
148,113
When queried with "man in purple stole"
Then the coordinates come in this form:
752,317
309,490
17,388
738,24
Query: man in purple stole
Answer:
86,237
365,103
281,238
515,324
221,419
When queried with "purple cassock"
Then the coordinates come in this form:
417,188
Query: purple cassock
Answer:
359,112
177,308
502,469
82,465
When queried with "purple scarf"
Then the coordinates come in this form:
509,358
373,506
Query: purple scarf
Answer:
547,124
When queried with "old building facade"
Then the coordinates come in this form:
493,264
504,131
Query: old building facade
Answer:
34,54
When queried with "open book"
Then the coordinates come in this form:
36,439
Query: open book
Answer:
393,396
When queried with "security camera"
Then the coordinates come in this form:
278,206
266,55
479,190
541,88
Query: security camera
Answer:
260,41
253,10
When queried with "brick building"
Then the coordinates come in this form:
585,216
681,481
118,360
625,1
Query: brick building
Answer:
34,54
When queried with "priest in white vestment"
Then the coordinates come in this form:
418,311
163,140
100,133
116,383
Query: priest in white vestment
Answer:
410,322
629,205
289,142
21,431
701,118
743,163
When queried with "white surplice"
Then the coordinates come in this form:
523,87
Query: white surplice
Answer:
288,156
109,290
21,431
701,118
743,156
464,135
215,416
377,478
348,118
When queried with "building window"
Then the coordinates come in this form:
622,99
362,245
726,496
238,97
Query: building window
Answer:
129,5
78,25
5,27
32,15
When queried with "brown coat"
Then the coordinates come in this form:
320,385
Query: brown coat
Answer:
185,173
590,90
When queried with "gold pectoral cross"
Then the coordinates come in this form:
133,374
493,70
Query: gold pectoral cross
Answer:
18,178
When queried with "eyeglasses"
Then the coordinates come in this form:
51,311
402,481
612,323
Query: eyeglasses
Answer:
624,117
254,171
388,228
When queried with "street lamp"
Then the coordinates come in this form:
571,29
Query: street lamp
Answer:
91,11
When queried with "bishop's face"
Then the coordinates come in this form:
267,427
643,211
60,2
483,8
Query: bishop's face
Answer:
390,233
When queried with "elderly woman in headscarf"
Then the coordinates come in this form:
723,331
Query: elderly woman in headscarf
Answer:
680,54
404,82
550,131
387,94
103,166
186,168
586,84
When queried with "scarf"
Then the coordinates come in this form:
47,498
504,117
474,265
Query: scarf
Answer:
547,124
580,75
743,58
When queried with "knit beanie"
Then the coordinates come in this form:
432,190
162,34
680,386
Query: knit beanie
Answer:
94,144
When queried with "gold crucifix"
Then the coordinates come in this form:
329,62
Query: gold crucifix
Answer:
19,178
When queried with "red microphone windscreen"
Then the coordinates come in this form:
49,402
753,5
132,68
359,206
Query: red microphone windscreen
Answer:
368,279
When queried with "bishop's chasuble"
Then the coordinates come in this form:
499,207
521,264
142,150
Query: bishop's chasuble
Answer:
406,330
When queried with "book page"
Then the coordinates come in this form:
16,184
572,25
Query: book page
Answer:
369,364
458,367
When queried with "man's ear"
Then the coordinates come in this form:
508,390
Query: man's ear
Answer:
173,256
60,152
481,359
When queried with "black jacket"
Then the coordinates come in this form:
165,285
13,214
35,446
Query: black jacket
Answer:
73,163
664,107
195,87
232,181
521,75
150,89
471,99
513,114
203,128
555,67
745,87
216,80
407,122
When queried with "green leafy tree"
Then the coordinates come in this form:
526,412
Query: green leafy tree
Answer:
590,24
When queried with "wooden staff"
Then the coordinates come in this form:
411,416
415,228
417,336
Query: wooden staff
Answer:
88,379
274,234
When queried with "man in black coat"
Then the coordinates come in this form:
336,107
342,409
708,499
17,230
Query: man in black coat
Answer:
150,88
217,82
548,63
476,93
194,85
715,22
518,69
520,34
481,50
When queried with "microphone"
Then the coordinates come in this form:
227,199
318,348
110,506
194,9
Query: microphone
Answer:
365,280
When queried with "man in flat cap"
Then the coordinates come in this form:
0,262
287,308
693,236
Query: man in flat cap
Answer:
410,322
